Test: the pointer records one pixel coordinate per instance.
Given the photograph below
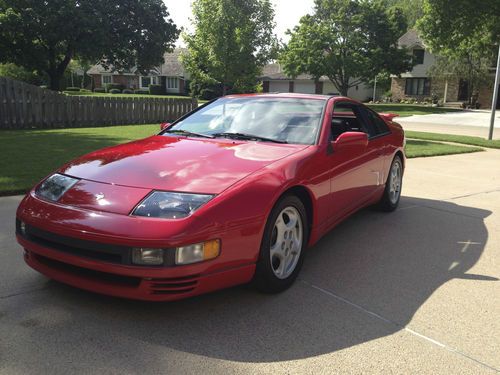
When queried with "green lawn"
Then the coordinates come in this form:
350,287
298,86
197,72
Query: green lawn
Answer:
422,148
405,110
29,155
474,141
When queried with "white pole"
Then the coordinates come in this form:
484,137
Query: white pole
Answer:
445,90
495,97
375,90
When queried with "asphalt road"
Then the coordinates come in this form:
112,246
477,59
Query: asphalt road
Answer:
414,291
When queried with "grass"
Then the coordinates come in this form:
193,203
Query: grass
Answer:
467,140
422,148
29,155
405,110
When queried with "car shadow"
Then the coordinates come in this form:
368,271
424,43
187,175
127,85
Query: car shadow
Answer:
388,264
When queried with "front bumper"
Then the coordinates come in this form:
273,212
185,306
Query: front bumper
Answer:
128,282
76,247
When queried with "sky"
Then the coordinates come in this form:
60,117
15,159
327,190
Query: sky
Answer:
287,14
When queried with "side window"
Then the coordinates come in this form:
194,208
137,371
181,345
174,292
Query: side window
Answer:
345,118
374,121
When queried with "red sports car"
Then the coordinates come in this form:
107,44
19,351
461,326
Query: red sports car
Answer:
232,193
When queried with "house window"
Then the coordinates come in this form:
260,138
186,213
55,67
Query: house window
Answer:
106,78
417,86
418,56
149,80
172,83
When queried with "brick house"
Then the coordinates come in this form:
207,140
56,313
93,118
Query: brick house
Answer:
419,85
170,74
275,80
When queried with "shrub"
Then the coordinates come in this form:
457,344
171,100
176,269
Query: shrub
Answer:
76,89
156,89
43,86
141,91
113,86
128,91
99,89
115,91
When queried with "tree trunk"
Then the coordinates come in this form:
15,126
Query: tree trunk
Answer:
224,90
344,88
55,79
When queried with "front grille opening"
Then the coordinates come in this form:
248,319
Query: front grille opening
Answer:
107,257
108,278
174,285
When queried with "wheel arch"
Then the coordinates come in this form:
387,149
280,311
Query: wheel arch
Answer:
305,197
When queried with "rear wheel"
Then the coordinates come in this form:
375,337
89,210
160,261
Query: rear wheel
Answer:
393,185
283,245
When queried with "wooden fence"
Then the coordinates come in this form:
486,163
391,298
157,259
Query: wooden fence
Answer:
24,106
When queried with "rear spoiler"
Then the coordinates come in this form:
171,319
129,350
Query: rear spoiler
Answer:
388,116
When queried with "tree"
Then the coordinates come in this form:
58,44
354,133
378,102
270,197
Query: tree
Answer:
463,33
348,41
232,41
412,10
46,35
16,72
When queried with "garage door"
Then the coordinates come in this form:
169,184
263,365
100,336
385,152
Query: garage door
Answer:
278,86
304,87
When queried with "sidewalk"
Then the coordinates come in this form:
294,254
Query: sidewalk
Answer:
472,123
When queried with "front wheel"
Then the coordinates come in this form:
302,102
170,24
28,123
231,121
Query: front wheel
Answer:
392,192
282,247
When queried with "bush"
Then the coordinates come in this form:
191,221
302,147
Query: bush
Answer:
141,91
115,91
128,91
99,89
44,86
75,89
113,86
156,90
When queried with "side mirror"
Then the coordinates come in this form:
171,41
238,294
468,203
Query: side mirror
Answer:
349,140
165,125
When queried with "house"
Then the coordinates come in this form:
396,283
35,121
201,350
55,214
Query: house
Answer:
418,84
275,80
171,75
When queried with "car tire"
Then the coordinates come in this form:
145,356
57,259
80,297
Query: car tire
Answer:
280,258
394,183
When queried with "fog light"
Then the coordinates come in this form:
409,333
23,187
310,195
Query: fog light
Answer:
147,257
197,252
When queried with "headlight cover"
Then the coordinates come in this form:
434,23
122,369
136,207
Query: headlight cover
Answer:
170,205
54,187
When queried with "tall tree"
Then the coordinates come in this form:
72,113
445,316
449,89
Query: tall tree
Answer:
465,34
412,10
348,41
232,41
45,35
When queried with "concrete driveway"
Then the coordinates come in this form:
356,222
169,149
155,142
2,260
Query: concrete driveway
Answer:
414,291
474,123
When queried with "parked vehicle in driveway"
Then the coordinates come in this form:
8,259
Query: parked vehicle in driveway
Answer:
232,193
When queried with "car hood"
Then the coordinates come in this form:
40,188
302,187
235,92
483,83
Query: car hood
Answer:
171,163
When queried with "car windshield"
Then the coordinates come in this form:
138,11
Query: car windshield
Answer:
282,120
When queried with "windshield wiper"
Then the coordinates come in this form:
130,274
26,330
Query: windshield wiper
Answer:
188,133
247,136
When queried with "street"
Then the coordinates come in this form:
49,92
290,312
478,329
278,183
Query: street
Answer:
414,291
